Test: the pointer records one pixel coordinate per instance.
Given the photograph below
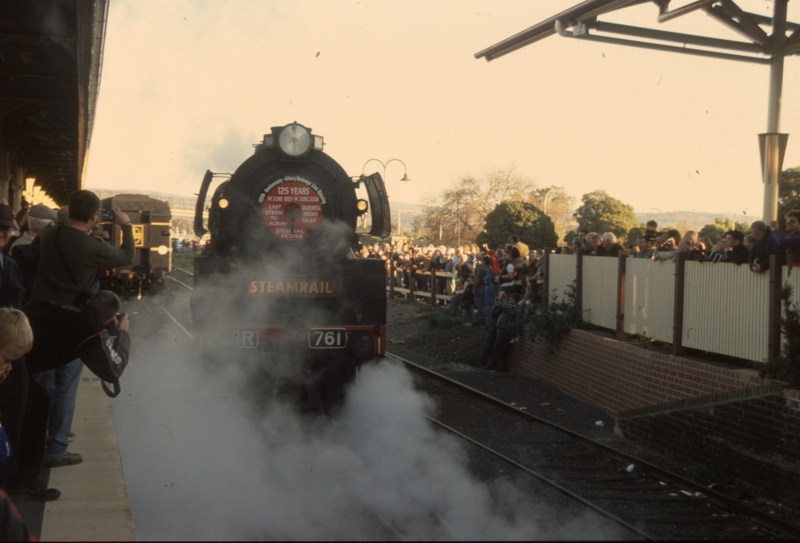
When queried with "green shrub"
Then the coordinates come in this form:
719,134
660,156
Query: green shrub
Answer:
552,320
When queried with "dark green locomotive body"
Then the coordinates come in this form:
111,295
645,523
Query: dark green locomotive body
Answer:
278,282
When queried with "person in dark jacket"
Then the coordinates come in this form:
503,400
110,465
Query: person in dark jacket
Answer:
730,249
14,385
485,270
92,332
791,241
69,263
500,335
764,247
610,245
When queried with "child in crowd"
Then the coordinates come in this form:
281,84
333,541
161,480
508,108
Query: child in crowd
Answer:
16,338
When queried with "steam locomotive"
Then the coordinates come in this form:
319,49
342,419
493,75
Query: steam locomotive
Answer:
151,220
278,284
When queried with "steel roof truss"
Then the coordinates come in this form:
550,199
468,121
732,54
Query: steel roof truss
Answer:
640,32
747,22
730,20
663,6
581,31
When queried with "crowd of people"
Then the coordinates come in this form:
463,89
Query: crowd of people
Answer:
461,271
753,248
495,286
485,286
53,320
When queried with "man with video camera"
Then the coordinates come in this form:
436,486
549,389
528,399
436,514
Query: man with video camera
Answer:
67,271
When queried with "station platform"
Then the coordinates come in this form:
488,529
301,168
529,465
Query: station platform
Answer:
94,502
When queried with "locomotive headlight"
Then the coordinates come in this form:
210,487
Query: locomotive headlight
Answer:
162,250
362,206
295,140
223,203
360,346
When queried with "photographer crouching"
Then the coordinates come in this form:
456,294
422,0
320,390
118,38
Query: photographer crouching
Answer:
507,311
93,331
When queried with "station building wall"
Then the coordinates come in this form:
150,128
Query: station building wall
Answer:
697,411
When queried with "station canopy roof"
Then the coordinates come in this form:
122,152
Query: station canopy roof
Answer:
50,61
581,21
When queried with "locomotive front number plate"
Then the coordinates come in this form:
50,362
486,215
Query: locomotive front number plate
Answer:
327,338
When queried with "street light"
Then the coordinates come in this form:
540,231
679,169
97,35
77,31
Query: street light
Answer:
405,178
405,170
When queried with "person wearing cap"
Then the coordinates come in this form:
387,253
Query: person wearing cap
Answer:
38,218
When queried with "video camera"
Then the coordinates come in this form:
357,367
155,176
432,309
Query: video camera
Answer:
107,215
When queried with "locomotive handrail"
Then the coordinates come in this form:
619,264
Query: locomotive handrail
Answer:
199,230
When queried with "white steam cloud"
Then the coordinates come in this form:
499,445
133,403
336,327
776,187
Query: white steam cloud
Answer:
217,470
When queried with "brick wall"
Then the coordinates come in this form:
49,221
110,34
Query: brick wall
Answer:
616,376
757,440
697,411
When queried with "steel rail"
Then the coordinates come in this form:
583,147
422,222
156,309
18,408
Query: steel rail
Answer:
678,480
544,479
179,282
187,272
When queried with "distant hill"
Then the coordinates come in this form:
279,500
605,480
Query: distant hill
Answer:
696,220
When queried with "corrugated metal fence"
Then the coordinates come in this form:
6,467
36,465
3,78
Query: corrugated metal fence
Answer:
563,271
725,308
600,291
649,298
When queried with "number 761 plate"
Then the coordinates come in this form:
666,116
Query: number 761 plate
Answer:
327,338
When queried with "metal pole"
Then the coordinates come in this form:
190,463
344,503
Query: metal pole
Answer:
546,196
772,173
776,263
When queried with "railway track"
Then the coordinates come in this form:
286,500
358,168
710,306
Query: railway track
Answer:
182,272
652,502
647,500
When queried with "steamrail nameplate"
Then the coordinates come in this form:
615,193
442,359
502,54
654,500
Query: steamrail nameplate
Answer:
327,338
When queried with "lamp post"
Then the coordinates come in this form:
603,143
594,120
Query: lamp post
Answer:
546,197
405,178
384,165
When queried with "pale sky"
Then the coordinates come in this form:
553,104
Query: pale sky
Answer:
191,85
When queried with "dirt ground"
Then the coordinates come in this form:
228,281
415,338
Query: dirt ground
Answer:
430,336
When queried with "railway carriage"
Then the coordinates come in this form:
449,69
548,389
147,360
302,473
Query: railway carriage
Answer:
278,283
151,220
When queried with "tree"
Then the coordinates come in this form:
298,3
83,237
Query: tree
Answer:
559,206
460,211
601,213
716,231
521,218
789,193
636,232
569,236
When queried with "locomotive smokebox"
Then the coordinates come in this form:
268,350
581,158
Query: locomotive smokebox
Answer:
280,267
